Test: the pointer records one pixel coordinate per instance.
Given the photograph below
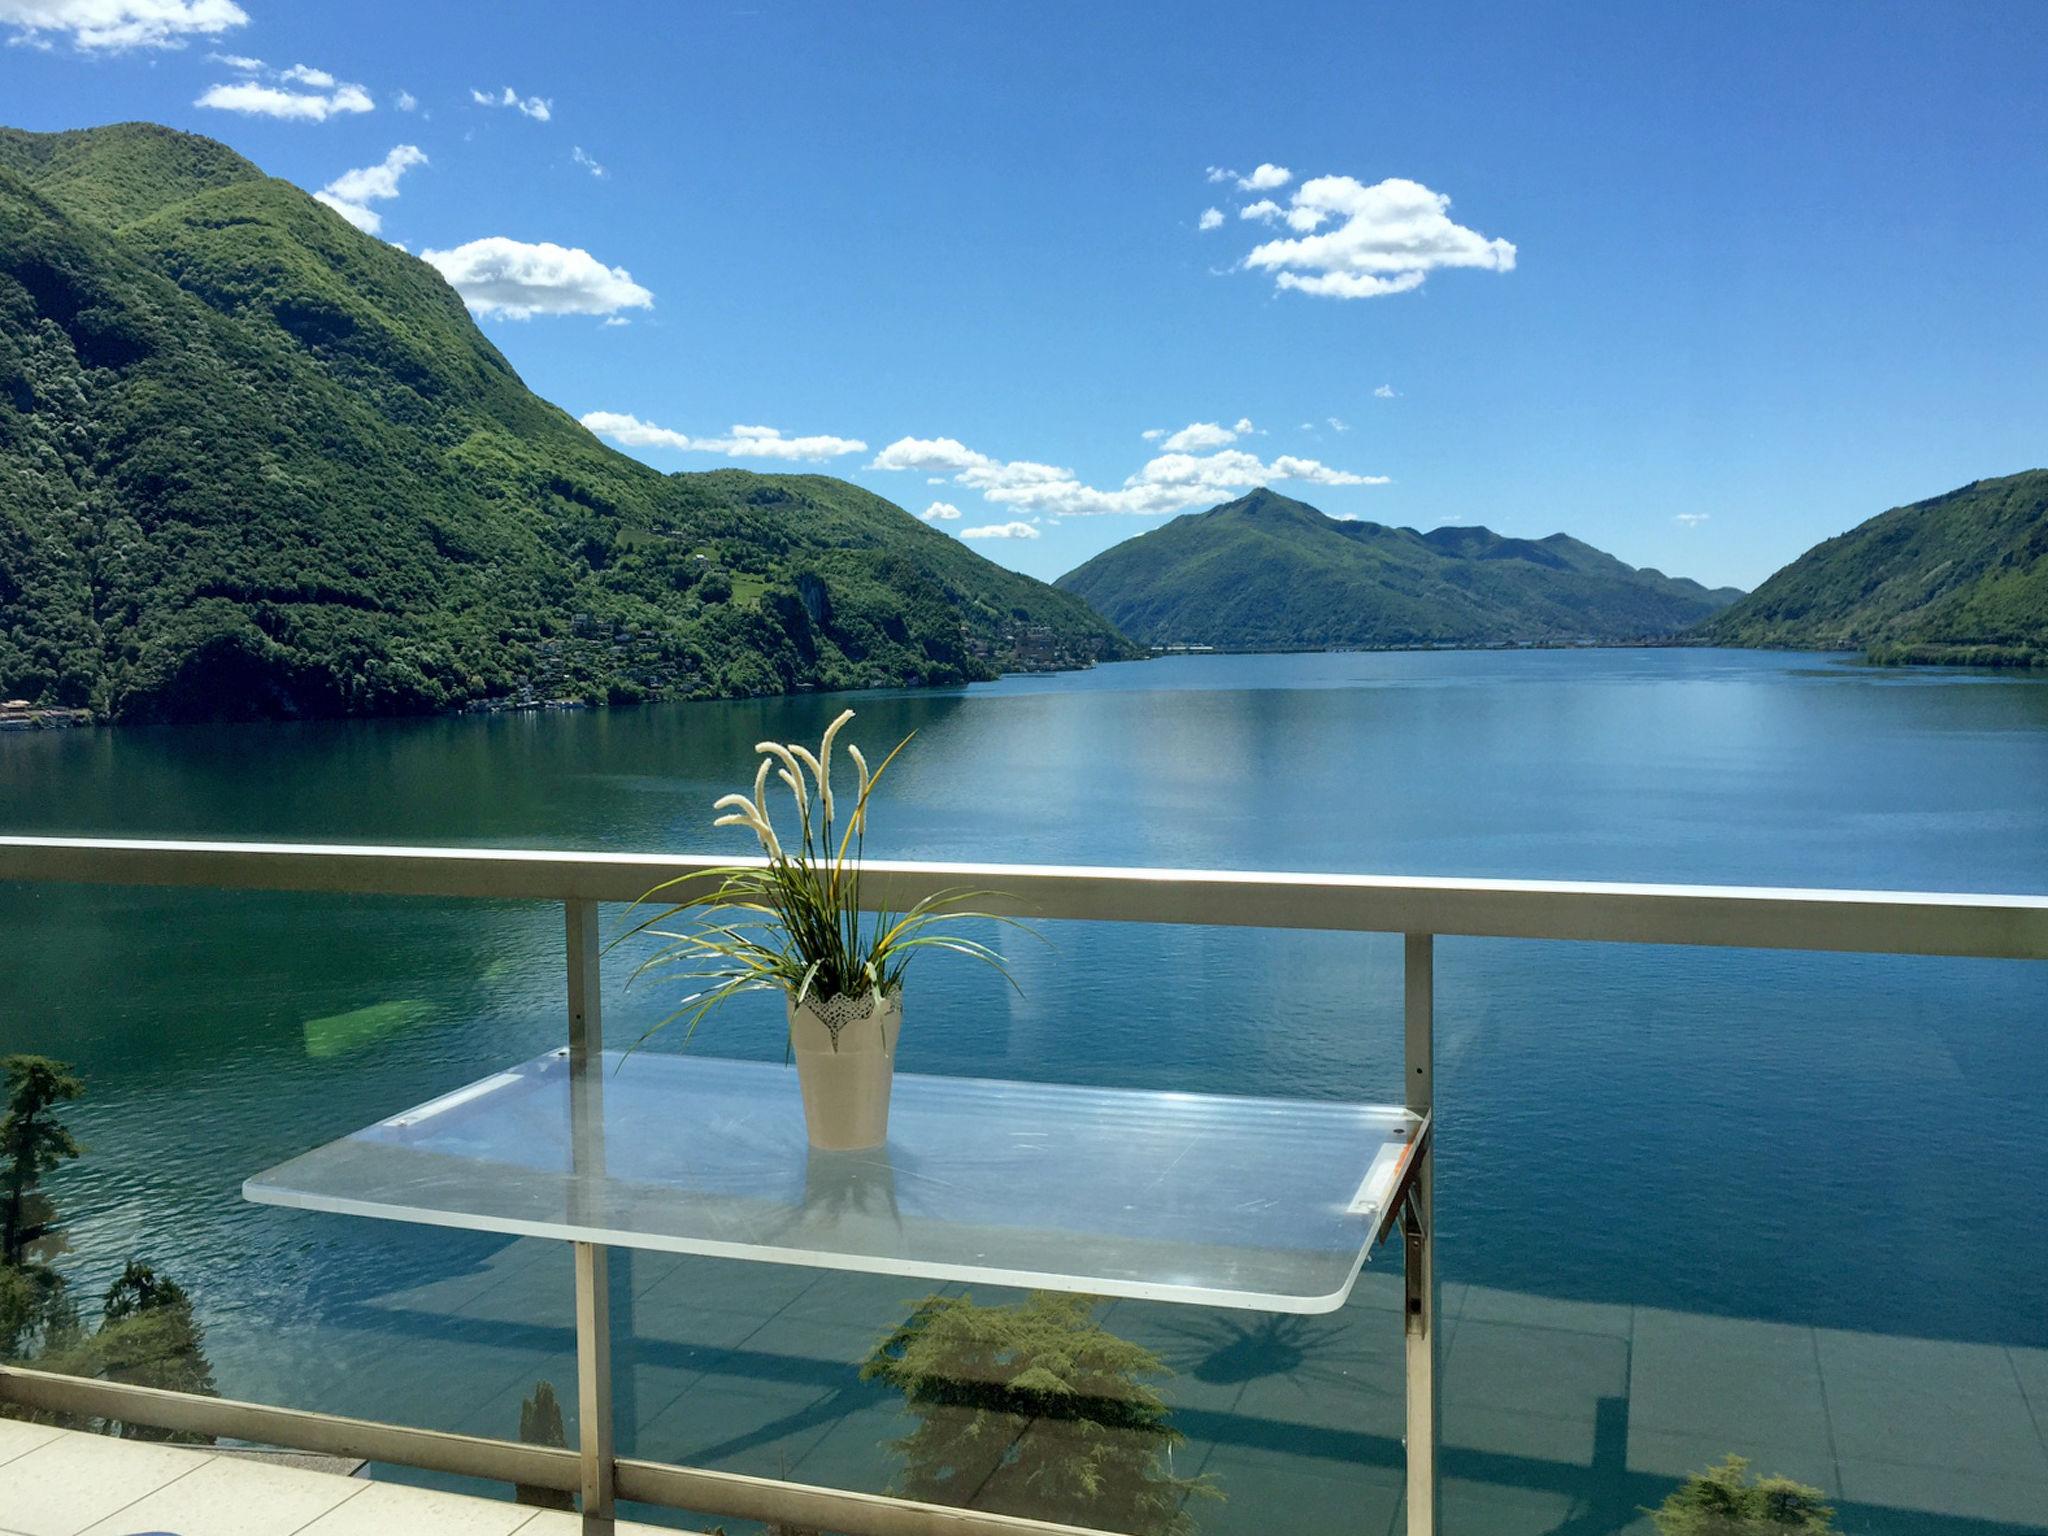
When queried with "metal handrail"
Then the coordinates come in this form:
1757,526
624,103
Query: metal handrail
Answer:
1749,917
1890,922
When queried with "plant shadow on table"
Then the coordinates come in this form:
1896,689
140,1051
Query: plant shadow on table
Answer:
1036,1410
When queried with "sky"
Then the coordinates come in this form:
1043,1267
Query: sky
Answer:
1700,284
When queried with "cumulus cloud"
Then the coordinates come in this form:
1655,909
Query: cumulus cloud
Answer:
1385,392
615,320
407,102
1385,238
576,154
304,94
539,108
351,193
1265,178
1000,531
1199,434
1692,519
1244,425
1174,480
941,512
1212,218
114,25
240,61
742,442
499,276
1265,210
1217,173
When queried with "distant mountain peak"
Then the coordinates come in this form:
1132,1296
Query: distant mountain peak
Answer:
1268,571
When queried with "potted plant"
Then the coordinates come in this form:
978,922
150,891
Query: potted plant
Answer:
793,923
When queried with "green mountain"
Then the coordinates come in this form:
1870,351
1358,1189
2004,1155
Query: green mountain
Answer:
1960,578
1266,571
255,463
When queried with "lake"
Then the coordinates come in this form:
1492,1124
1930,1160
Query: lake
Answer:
1836,1142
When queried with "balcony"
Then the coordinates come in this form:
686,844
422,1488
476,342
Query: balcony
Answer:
699,1390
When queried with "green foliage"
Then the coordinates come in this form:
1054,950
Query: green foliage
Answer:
33,1142
1268,572
257,464
795,924
1960,579
148,1336
540,1423
1723,1501
1035,1410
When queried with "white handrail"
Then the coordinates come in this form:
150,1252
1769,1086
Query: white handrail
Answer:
1881,922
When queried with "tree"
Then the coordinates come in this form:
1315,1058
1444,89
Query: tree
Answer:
149,1337
1035,1410
540,1423
1722,1501
33,1142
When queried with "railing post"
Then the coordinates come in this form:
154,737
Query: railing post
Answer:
593,1280
1418,1228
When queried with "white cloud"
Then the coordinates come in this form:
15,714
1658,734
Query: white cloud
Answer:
539,108
1265,210
1265,178
617,320
1172,481
1692,519
300,74
114,25
1385,238
576,154
941,512
743,442
1199,434
407,102
1244,425
254,100
1153,434
1217,173
496,275
1385,392
1337,424
351,193
1000,531
240,61
1212,218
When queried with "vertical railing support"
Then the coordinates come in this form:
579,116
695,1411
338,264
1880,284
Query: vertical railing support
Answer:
1418,1229
593,1281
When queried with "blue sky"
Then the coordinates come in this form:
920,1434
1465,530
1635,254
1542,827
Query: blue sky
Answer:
1713,282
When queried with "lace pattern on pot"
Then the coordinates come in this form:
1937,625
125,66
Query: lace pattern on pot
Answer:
836,1013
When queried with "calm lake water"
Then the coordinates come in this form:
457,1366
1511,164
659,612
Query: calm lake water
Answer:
1855,1142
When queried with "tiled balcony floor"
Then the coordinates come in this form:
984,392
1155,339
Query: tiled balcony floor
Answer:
56,1482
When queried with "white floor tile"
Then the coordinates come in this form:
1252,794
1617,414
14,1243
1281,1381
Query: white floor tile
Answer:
64,1485
18,1439
232,1497
383,1509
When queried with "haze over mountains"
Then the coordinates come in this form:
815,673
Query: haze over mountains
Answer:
1267,571
255,463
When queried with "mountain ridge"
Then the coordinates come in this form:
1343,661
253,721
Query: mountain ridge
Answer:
1959,578
1267,571
257,464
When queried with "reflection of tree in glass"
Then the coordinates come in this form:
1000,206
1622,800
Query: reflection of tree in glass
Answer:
1035,1410
148,1335
540,1423
1722,1501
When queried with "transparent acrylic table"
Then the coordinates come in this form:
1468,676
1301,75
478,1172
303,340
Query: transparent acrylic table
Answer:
1270,1204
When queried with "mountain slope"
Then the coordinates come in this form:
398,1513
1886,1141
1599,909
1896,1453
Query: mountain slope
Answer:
254,463
1268,571
1961,577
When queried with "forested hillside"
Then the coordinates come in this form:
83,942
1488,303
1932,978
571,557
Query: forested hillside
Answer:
1958,578
257,464
1266,571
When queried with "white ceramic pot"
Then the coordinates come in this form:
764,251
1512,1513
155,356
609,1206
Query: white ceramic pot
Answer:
845,1052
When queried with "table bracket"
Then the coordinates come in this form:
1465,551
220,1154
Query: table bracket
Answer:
1402,1196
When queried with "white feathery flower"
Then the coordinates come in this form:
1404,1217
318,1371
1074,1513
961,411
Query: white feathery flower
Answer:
761,787
825,761
861,763
788,761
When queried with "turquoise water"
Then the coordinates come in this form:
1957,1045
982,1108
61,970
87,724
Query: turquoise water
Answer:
1849,1143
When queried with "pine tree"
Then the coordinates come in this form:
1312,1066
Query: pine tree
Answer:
1722,1501
33,1142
